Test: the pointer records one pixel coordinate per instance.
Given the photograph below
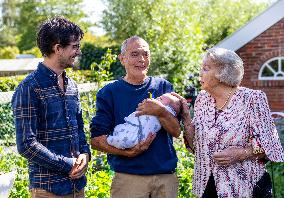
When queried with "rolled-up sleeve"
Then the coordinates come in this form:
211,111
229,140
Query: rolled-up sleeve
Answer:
263,130
25,110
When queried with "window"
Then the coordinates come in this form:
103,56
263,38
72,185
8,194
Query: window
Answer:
272,69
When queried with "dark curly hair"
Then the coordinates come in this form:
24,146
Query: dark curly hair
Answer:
57,30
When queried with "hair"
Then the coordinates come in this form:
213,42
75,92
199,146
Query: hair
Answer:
127,41
229,64
57,30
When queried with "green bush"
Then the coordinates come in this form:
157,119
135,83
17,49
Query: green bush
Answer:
184,170
7,127
10,83
276,170
34,51
93,54
9,52
12,161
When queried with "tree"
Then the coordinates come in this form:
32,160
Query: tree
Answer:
21,18
33,12
177,31
7,22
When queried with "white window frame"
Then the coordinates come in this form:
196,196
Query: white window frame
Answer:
266,65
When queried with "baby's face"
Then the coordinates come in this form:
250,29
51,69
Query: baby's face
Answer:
165,100
168,99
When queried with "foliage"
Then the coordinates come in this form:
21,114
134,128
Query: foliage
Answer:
7,127
7,24
102,70
276,170
184,170
92,53
9,52
26,15
177,31
10,83
34,51
102,41
11,161
99,176
220,21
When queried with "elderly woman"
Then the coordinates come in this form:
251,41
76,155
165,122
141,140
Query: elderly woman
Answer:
232,132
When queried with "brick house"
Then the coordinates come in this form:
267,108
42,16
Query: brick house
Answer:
260,43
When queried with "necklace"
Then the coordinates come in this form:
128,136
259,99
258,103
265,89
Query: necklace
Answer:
227,100
60,75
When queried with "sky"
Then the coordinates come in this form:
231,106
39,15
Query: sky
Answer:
94,8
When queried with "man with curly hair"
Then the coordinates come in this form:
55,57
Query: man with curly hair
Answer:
48,116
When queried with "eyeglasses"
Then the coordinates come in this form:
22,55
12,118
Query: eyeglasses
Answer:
75,46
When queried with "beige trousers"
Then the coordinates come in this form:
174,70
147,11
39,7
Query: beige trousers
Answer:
144,186
40,193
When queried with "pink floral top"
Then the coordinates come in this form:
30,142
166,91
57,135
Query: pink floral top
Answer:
247,113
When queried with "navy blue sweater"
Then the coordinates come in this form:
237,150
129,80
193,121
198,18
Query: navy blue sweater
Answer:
116,101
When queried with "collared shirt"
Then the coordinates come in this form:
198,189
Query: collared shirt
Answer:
49,130
247,114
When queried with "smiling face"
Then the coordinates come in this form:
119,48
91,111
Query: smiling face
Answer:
68,54
208,73
136,60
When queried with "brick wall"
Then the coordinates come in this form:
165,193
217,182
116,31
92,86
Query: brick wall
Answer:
267,45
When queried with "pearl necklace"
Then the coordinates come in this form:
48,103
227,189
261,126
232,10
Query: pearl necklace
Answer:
227,100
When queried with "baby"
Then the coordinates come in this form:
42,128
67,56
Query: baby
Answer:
136,129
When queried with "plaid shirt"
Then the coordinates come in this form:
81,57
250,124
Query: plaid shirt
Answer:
49,130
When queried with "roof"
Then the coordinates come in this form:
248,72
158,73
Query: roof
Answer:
254,27
25,64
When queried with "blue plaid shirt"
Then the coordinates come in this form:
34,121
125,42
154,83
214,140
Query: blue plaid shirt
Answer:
49,130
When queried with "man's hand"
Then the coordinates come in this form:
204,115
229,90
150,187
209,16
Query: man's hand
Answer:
150,107
80,166
140,147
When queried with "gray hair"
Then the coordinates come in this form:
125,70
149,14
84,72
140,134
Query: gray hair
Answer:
230,65
127,41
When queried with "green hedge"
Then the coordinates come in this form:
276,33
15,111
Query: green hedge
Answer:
10,83
7,127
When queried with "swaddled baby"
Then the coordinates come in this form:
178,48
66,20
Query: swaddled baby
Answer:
136,129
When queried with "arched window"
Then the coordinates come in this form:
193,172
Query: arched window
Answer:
273,69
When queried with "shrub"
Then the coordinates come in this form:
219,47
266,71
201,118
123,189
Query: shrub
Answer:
10,161
10,83
9,52
92,54
34,51
7,127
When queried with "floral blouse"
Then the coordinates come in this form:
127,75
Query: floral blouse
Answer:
247,115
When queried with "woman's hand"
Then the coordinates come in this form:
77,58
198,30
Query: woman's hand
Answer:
185,115
231,155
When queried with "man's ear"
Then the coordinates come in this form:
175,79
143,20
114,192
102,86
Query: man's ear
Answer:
56,48
121,58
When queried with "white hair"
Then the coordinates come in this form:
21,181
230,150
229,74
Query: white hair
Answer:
230,65
127,41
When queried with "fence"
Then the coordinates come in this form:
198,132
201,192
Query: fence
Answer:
7,128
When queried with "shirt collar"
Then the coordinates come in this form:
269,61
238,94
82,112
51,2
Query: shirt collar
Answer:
48,72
